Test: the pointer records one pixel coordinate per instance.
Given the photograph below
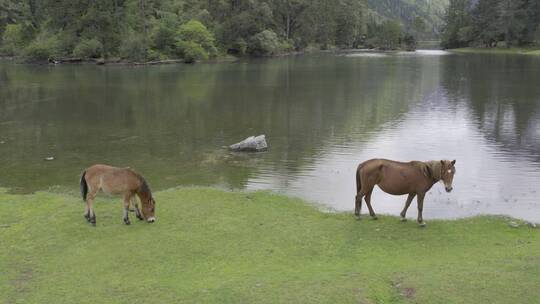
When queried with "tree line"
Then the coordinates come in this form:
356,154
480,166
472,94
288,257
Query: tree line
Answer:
491,23
145,30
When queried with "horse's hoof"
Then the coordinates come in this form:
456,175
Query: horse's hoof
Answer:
374,218
403,219
127,222
422,224
93,224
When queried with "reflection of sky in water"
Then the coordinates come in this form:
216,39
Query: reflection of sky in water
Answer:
488,181
367,54
375,54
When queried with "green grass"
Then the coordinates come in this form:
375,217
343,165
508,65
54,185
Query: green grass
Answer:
499,50
212,246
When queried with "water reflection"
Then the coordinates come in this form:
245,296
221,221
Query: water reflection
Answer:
323,114
488,180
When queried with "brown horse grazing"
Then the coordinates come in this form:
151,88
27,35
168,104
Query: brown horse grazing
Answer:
119,181
414,178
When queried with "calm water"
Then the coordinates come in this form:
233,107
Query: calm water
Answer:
322,114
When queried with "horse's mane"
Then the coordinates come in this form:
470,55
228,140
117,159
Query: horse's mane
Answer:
435,168
145,189
432,168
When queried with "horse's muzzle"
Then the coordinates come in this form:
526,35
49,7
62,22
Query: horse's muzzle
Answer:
449,189
151,219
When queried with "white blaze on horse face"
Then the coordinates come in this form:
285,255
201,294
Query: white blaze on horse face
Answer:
450,171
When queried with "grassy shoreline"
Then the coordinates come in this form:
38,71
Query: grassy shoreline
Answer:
214,246
515,51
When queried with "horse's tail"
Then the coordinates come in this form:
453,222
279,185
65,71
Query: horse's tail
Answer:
358,198
358,181
84,186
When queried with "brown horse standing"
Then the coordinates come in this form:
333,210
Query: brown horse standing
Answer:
413,178
118,181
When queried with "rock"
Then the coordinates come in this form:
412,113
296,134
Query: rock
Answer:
513,225
49,158
251,144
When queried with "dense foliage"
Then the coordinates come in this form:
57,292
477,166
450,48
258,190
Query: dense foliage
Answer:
421,18
190,29
142,30
489,22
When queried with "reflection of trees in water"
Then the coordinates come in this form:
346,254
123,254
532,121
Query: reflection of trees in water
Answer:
503,94
171,121
310,103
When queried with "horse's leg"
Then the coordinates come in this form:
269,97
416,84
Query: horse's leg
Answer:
420,200
137,211
358,203
407,204
90,203
368,203
126,209
87,212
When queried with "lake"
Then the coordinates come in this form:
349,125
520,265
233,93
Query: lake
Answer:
322,114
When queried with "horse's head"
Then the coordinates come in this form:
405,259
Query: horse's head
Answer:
448,169
148,209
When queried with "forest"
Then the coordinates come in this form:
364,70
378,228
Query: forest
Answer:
492,23
146,30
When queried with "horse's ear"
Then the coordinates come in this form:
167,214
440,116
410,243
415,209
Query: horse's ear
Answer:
453,162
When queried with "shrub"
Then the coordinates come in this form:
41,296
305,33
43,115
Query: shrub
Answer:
239,47
196,32
43,48
192,51
410,42
88,48
537,36
154,55
195,42
164,39
14,38
265,43
134,47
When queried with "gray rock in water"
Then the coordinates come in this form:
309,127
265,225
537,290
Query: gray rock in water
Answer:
251,144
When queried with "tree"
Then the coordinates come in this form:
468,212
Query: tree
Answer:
14,39
410,42
264,43
350,23
513,21
287,14
419,27
486,27
390,35
195,41
457,24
